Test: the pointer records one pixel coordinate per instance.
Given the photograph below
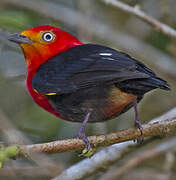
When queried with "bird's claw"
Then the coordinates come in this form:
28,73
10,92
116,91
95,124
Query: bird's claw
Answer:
87,153
139,126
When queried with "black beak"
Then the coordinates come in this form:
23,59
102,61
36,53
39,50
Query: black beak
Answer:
18,38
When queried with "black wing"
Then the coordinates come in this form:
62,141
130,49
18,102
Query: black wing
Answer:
87,66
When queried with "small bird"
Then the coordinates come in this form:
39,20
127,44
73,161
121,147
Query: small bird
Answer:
82,82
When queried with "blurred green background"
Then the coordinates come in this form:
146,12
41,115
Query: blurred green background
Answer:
91,21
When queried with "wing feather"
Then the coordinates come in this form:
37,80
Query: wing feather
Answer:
86,66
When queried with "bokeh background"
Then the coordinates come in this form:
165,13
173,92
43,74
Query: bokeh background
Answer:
93,21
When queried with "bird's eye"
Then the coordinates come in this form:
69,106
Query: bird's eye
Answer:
48,36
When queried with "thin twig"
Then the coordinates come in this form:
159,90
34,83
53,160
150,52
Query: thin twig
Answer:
154,129
143,156
161,27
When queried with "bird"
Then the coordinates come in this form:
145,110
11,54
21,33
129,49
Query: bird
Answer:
80,82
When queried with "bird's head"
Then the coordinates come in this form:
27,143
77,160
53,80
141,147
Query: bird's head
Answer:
43,42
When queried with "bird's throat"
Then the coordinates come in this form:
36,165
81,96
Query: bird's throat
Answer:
33,57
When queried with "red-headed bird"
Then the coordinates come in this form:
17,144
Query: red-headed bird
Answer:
82,82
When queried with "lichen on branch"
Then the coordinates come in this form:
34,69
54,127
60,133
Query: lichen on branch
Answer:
7,153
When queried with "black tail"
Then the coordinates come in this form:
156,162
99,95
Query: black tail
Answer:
151,83
159,83
143,85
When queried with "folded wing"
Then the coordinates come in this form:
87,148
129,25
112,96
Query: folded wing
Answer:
87,66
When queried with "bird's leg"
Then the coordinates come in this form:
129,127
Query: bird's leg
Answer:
81,132
137,121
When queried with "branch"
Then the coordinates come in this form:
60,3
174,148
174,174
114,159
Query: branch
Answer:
143,156
113,154
153,129
161,27
106,156
97,162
